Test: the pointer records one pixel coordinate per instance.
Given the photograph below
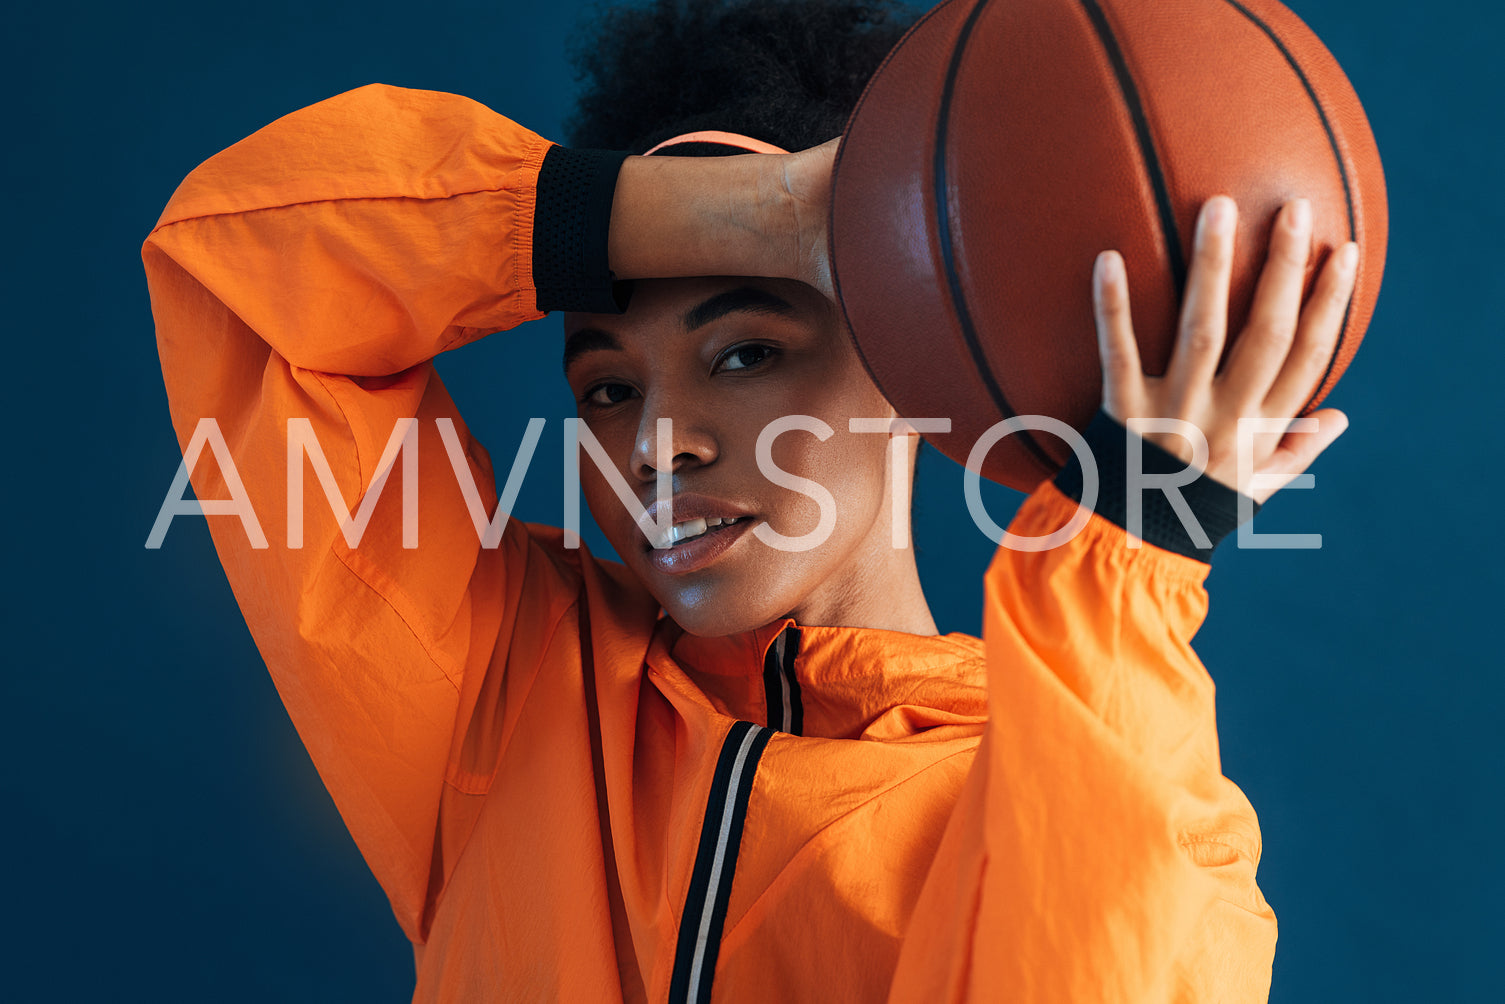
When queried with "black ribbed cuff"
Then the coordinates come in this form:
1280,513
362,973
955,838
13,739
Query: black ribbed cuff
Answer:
570,224
1214,506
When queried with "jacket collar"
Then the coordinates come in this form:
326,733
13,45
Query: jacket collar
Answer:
859,682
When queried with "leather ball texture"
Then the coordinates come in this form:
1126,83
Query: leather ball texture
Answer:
1003,144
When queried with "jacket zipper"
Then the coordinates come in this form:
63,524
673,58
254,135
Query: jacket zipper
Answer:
786,712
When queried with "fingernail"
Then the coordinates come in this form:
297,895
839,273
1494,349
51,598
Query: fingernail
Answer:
1109,267
1348,257
1217,214
1301,214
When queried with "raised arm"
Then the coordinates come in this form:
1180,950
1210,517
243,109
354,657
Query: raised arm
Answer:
1098,853
310,273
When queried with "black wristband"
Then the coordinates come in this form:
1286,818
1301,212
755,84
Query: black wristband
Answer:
1214,505
571,219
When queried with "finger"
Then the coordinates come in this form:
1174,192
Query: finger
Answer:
1316,334
1204,310
1256,358
1123,375
1296,451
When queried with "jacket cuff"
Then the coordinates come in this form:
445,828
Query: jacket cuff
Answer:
1214,506
570,224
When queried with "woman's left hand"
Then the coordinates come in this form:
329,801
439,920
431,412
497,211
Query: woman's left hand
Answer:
805,178
1272,368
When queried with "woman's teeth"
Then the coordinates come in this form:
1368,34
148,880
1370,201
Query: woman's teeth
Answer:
694,528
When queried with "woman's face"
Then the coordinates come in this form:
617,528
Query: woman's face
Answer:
723,358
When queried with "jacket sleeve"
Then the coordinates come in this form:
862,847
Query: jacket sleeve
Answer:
311,272
1097,852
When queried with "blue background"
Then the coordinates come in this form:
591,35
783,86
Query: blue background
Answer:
165,835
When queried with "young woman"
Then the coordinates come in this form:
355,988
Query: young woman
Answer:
734,766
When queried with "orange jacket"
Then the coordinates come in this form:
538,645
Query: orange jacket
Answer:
567,798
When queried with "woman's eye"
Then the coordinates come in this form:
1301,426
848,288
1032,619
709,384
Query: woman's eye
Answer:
608,394
744,356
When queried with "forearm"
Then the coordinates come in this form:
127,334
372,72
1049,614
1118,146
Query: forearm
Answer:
1138,854
683,216
1098,852
354,239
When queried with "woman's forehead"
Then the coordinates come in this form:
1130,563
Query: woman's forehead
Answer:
691,303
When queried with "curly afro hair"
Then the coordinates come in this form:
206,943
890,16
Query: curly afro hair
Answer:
787,72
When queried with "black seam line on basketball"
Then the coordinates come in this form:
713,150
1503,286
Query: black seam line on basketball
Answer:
773,688
1147,153
796,705
1332,141
700,924
948,253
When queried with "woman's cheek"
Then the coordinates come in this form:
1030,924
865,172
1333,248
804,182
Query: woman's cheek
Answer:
847,465
608,510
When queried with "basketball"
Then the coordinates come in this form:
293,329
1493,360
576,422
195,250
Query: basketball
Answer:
1003,144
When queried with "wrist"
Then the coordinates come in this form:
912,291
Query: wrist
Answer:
1208,511
571,217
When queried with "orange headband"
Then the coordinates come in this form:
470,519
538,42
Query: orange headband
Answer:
724,138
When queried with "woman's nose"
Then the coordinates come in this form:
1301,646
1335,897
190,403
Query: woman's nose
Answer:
672,438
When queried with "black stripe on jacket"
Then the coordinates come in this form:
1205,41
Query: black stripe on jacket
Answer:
715,864
781,687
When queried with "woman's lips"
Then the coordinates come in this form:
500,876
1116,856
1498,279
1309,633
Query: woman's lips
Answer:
698,552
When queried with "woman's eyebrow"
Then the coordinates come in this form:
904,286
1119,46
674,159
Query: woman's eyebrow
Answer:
748,298
588,340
